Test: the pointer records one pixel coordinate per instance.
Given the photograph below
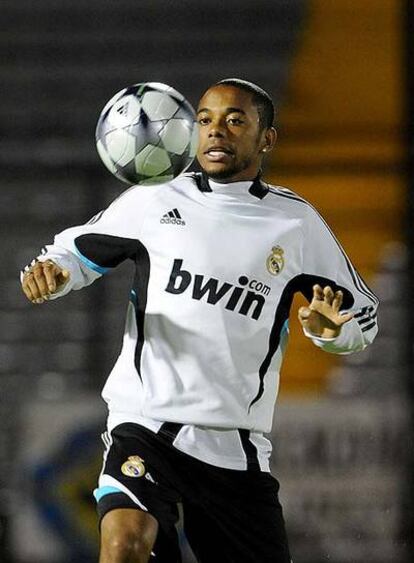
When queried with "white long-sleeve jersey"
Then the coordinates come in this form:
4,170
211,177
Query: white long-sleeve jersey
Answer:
217,266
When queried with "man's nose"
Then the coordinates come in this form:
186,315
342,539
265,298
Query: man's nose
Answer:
216,131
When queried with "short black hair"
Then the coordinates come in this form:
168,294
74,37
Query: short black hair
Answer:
261,99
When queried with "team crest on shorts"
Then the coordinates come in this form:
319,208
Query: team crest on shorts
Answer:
275,261
134,467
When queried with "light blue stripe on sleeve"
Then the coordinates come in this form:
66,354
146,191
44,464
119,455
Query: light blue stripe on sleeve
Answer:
102,491
134,298
284,336
91,265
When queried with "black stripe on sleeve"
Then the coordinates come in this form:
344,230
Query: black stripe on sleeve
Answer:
304,284
140,293
366,319
363,312
367,327
106,251
250,450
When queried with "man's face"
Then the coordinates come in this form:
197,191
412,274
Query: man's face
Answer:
230,139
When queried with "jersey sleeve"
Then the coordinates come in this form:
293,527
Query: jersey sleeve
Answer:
325,263
88,251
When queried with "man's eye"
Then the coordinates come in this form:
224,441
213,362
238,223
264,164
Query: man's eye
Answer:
203,121
235,121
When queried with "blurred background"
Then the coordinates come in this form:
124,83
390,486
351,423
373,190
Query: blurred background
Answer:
340,73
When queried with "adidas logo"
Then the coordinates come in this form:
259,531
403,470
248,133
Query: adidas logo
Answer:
173,217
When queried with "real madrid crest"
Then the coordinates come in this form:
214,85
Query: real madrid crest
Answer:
275,261
134,467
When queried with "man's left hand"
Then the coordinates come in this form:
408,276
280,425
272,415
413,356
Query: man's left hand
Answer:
322,318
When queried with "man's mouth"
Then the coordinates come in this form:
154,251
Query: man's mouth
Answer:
217,154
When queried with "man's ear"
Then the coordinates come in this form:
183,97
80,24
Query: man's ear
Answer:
269,140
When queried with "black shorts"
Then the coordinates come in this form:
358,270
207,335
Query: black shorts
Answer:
228,515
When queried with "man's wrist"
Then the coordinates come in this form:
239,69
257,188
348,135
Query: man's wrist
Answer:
330,333
327,335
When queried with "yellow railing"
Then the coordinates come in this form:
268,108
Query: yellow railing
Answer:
341,145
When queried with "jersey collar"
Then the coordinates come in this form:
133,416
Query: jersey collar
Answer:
257,188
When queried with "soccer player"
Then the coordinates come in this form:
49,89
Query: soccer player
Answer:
218,258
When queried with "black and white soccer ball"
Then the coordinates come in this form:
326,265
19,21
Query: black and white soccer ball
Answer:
147,134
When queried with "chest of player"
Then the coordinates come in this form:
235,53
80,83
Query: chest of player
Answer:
236,255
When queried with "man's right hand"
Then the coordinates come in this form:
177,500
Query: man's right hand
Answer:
41,279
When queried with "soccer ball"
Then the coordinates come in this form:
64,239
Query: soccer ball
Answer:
147,134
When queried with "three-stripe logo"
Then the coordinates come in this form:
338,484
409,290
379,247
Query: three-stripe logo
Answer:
366,318
173,217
